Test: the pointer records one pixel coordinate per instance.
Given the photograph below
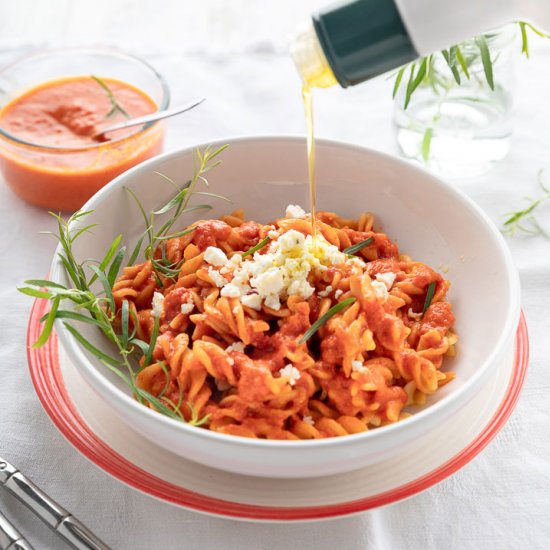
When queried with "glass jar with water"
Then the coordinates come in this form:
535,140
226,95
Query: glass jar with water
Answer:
460,127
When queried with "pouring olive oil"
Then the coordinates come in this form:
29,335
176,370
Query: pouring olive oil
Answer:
308,108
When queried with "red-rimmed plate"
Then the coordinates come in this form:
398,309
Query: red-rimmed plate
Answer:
95,431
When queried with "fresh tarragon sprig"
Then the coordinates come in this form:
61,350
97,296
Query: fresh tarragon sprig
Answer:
176,206
116,107
91,306
524,220
423,71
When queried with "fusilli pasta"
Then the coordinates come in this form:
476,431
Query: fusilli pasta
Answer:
229,327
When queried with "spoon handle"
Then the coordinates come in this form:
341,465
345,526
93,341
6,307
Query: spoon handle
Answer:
157,115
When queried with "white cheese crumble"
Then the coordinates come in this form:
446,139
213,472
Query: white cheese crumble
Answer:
308,420
273,235
282,271
187,307
338,293
158,304
413,315
253,301
290,372
357,366
235,261
236,346
218,279
294,211
387,278
380,290
215,256
326,292
231,291
271,277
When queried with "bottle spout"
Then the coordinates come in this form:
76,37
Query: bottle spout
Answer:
310,60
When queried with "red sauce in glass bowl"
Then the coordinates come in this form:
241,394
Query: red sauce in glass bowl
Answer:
52,160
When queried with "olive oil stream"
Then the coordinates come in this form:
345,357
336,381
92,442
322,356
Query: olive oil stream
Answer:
308,108
321,77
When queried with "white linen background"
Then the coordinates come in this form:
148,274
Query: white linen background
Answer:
234,52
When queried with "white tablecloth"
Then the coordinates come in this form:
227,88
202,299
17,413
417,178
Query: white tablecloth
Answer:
500,500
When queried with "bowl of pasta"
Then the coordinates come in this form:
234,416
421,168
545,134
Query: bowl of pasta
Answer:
225,325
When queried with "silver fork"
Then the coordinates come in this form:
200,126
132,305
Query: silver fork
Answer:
75,533
10,537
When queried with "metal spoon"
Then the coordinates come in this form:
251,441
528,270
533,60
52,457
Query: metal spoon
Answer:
158,115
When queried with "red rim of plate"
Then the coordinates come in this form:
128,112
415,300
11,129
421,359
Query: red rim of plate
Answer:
48,382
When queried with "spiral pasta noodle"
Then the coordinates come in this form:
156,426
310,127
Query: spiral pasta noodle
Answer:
231,326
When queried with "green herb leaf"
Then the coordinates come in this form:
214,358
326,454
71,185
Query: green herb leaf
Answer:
115,266
35,293
255,248
152,343
108,256
462,62
398,80
106,287
481,43
426,144
48,325
351,250
415,80
124,321
91,348
429,296
73,315
178,234
115,105
44,283
135,252
450,58
157,403
524,39
324,318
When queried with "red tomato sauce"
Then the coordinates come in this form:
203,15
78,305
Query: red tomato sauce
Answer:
63,115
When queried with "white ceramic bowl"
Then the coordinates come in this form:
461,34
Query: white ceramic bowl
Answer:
431,221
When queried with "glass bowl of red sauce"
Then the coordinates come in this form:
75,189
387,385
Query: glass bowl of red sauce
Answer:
52,103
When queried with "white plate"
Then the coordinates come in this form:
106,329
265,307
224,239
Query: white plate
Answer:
90,425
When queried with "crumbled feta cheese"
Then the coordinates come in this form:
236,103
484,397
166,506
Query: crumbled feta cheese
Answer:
235,261
294,211
273,301
273,235
187,307
300,287
281,271
338,293
290,372
253,301
214,256
380,290
236,346
231,291
270,281
158,304
357,366
308,420
413,315
218,279
386,278
326,292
